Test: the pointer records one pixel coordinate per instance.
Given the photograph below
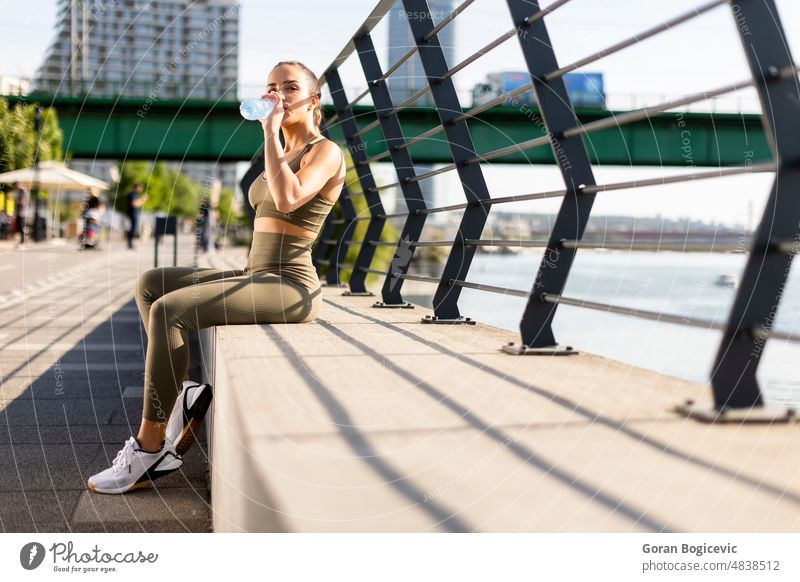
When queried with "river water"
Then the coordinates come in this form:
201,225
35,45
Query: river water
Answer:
683,284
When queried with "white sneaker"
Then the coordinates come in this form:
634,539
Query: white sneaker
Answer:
133,467
187,414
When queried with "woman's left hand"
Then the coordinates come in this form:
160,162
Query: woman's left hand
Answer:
272,124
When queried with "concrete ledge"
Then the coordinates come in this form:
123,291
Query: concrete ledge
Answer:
366,420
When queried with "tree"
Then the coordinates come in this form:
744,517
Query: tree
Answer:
182,195
228,217
131,172
167,190
18,136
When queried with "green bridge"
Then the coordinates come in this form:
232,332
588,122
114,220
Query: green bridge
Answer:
127,128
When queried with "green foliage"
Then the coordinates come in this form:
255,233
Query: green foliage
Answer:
167,190
131,172
228,217
18,136
183,195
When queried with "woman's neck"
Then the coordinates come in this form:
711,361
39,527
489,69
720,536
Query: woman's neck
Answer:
294,140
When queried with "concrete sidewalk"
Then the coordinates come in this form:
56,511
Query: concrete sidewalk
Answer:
71,365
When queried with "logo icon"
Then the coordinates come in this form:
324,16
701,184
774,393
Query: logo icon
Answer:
31,555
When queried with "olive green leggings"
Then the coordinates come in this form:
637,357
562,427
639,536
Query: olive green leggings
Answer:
279,285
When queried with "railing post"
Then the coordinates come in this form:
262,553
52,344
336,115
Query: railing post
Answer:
322,248
393,135
573,161
445,300
166,225
358,154
332,275
733,377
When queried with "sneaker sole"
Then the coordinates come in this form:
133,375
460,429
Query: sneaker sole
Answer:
146,477
188,434
109,492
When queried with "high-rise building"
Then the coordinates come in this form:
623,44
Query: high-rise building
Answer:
163,49
135,48
410,76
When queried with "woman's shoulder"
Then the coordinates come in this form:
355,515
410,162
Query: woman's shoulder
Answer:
326,143
334,148
327,149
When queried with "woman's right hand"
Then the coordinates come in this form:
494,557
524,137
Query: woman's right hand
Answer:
272,123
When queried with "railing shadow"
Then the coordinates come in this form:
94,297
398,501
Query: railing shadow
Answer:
63,415
361,447
594,417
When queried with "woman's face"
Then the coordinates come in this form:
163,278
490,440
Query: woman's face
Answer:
292,83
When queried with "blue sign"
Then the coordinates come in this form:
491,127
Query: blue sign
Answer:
585,89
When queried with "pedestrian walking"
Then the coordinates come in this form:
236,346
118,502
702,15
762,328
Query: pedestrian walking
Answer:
135,201
205,224
21,212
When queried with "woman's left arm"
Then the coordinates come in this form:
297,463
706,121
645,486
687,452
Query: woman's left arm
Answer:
291,190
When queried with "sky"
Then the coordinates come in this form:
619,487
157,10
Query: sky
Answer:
703,54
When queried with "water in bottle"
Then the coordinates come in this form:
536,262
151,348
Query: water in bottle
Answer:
255,108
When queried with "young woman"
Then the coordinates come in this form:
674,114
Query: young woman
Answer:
300,184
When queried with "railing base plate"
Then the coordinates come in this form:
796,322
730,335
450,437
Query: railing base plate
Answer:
523,350
358,294
458,321
403,305
756,414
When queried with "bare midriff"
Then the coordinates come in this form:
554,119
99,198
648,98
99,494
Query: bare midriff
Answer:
278,226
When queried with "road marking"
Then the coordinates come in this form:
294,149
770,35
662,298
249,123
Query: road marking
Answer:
88,318
23,346
101,367
133,392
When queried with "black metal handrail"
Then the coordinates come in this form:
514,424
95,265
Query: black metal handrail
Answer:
773,245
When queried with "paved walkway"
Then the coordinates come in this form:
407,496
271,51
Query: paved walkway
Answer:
71,367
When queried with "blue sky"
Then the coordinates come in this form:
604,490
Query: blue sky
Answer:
701,55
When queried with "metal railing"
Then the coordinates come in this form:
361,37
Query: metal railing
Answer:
773,75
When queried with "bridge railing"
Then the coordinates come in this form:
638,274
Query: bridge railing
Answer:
774,76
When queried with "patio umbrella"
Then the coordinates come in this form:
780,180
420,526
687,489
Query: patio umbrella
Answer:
54,176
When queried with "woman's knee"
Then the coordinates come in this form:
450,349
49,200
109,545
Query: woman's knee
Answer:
162,312
146,281
168,311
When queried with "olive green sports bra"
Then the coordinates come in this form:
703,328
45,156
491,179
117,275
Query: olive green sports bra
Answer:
310,215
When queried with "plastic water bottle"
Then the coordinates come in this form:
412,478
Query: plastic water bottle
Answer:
255,108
